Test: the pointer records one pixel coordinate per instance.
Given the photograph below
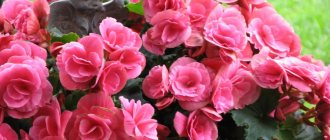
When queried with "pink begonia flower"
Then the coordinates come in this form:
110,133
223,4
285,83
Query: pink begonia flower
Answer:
324,91
190,83
22,48
138,122
112,78
7,133
27,22
156,84
152,7
248,1
233,88
198,11
24,86
268,29
323,118
132,60
117,36
286,106
163,132
41,9
5,25
302,75
134,1
196,126
267,72
50,123
12,8
171,28
226,28
96,117
80,62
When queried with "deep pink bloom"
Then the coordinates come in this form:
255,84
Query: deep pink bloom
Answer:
117,36
21,48
233,88
267,72
226,28
248,1
324,92
42,10
50,123
112,78
196,126
138,122
190,83
170,29
198,11
152,7
286,106
12,8
24,86
131,59
323,118
80,62
155,85
302,75
7,133
96,118
27,22
268,29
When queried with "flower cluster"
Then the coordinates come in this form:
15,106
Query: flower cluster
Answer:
200,61
241,48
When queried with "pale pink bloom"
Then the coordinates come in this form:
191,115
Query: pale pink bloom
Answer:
226,28
27,22
267,72
171,28
302,75
268,29
132,60
112,78
22,48
190,83
152,7
80,62
96,118
12,8
50,123
117,36
155,85
233,88
138,122
24,86
199,10
7,133
196,126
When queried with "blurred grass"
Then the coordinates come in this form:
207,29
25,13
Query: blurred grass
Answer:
311,21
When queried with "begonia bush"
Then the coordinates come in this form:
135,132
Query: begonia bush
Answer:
176,69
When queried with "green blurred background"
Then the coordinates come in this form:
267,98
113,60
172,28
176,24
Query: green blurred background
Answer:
311,21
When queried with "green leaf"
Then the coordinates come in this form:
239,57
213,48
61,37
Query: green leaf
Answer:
57,36
293,129
136,8
72,99
255,119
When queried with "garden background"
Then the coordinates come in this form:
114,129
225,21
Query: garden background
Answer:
310,19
